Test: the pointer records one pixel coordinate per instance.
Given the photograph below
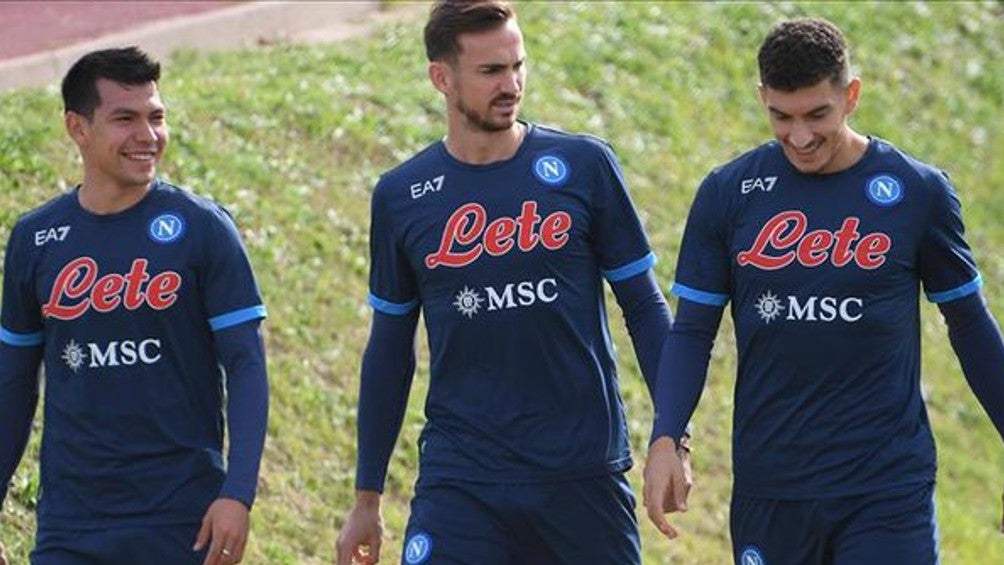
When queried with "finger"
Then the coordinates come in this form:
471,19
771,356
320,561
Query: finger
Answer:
212,556
344,551
238,549
226,553
372,553
215,556
203,536
348,552
657,517
656,514
680,493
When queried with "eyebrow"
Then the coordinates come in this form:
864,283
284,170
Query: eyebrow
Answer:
815,110
131,112
497,66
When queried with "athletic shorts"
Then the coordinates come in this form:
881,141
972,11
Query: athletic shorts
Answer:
589,521
151,545
881,528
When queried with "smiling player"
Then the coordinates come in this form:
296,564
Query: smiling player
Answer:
822,240
133,293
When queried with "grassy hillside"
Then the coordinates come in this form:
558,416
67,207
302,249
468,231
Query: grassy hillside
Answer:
291,140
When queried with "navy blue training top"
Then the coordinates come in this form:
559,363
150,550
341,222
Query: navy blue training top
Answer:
125,306
823,273
506,261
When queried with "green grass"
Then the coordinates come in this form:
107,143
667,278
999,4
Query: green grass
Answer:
292,139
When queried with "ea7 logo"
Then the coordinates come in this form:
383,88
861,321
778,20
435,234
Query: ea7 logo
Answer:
52,234
763,184
420,189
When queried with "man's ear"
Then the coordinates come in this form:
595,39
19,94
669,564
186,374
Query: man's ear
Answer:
76,127
440,76
853,94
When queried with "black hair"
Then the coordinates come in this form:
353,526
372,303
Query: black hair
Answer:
128,65
801,52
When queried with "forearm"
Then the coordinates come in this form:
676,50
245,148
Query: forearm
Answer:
976,339
18,399
242,354
648,320
683,367
388,367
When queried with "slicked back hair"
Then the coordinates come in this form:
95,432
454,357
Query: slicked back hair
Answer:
802,52
128,65
451,18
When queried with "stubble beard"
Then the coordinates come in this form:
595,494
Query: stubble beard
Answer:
484,123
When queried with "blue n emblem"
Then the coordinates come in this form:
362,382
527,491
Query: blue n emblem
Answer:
551,170
884,190
418,549
166,228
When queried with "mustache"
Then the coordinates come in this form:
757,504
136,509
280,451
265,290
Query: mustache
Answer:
506,98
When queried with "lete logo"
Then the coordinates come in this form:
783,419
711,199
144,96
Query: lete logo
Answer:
79,278
469,225
787,231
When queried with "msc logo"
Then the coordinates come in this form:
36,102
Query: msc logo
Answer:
418,548
813,309
763,184
751,556
513,295
551,170
52,234
468,302
768,307
113,354
420,189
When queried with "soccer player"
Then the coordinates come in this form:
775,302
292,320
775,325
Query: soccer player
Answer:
821,240
502,234
134,294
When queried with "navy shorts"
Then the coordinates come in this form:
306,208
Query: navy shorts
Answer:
572,522
895,526
149,545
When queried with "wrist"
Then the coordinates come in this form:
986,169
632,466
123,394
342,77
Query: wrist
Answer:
368,499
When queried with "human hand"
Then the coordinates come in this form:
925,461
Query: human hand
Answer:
225,527
359,539
668,478
3,556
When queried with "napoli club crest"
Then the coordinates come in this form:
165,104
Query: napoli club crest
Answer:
551,170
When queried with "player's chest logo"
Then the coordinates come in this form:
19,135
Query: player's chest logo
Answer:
786,238
79,288
468,233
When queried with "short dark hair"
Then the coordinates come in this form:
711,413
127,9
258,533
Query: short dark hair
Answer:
451,18
801,52
128,65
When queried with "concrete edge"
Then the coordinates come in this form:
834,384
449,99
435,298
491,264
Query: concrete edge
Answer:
243,25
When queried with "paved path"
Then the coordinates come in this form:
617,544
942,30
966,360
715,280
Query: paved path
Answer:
40,40
28,28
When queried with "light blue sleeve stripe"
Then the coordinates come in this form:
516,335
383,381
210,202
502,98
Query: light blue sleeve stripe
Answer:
224,321
20,340
392,308
957,292
631,269
699,296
